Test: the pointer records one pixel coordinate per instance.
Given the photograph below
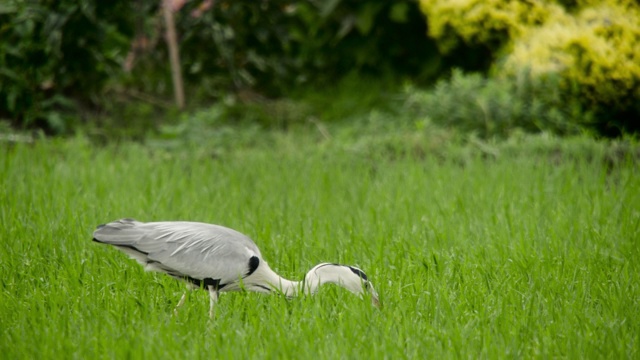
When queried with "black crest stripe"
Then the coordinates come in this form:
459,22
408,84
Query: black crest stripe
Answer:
359,273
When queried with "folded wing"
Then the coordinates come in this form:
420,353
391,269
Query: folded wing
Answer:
183,249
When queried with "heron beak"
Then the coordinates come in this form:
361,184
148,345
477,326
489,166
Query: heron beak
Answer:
375,301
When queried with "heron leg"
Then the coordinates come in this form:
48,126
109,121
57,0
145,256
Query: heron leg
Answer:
213,299
180,303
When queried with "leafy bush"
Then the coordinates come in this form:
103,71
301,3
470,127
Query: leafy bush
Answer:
491,23
596,52
55,56
497,106
592,47
272,46
51,52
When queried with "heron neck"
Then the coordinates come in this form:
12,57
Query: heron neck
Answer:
279,284
294,288
287,287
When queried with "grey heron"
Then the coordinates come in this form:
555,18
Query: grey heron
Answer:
218,259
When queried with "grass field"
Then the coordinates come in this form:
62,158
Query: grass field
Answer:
507,250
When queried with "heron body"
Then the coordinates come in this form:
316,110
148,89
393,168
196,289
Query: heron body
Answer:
218,259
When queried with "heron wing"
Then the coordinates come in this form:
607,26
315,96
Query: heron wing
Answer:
183,249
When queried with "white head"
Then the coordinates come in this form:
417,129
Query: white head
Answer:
349,277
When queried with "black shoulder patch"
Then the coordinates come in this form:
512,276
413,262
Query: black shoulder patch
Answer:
359,273
253,265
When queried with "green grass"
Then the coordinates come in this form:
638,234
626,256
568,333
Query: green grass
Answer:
517,249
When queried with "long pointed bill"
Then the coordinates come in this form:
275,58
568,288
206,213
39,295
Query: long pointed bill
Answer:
375,300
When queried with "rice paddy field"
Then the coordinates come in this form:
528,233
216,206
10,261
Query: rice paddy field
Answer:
512,249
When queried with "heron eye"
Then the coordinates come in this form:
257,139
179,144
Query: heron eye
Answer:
366,285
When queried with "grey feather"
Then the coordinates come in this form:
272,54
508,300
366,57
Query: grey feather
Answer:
183,249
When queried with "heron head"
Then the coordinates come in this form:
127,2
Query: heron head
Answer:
349,277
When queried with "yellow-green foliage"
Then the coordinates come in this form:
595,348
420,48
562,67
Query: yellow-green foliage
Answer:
482,21
591,46
591,3
597,49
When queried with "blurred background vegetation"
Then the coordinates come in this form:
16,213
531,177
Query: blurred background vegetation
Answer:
491,68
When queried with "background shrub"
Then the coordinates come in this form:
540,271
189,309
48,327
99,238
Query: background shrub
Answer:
596,52
491,23
54,52
272,46
493,107
67,61
591,47
57,58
